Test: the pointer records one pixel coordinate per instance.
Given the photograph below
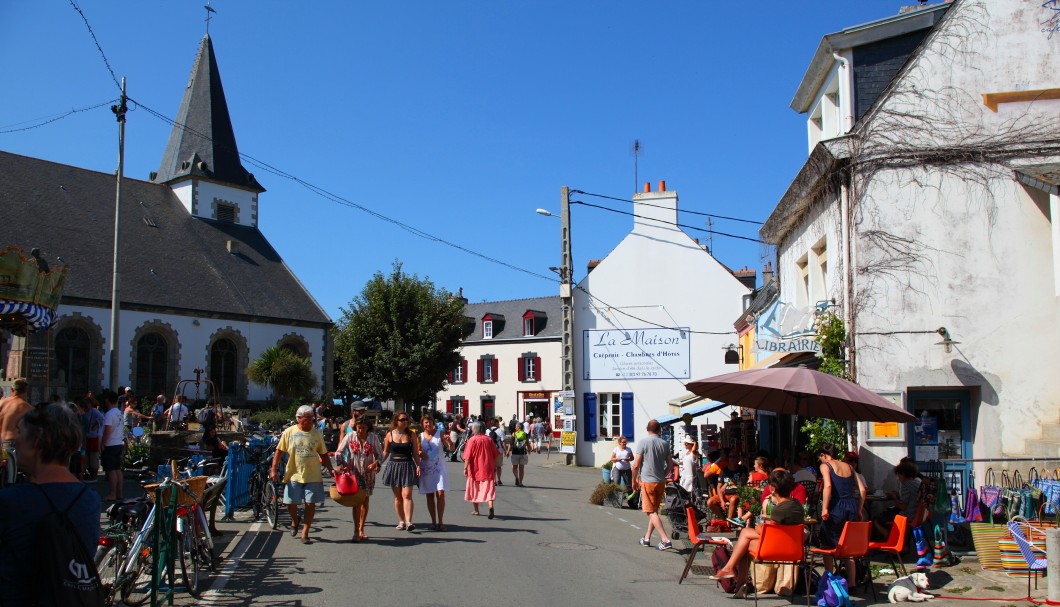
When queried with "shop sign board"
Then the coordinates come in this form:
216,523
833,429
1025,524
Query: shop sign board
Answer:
651,353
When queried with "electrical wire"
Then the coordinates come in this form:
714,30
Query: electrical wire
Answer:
680,225
50,119
106,62
648,204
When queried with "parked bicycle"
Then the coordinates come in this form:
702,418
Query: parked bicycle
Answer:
264,496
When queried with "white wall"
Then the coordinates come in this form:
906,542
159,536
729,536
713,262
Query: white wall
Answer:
506,390
194,341
199,198
657,276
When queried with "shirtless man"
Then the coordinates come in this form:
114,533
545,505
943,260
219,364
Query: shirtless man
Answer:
12,408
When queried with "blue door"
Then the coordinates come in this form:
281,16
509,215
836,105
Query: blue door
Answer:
943,433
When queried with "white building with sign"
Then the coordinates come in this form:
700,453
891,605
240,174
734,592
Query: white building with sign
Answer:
653,315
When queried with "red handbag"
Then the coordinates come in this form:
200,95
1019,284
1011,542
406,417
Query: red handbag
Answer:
346,483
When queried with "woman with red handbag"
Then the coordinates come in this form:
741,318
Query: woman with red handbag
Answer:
359,453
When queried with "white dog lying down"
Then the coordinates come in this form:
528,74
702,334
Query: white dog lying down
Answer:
909,588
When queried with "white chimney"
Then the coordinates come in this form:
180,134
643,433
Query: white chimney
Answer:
654,211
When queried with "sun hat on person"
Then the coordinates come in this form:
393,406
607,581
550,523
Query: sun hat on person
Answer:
689,440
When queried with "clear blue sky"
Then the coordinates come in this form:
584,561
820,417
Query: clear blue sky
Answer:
457,118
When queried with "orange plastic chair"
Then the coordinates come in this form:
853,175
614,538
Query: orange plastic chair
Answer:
853,544
895,543
780,545
699,542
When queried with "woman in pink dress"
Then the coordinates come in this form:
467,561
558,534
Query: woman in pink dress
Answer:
480,456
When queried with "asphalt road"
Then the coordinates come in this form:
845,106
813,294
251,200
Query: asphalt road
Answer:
546,545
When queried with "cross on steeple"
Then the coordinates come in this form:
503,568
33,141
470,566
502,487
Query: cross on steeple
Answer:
209,15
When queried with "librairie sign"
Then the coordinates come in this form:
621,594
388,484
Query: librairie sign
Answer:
782,328
635,353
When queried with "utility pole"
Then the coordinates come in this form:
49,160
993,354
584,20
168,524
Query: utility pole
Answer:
115,293
566,295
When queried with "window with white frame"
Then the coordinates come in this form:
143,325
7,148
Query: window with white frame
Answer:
609,415
458,407
529,368
458,374
487,329
528,326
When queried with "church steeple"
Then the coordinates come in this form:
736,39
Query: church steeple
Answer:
202,145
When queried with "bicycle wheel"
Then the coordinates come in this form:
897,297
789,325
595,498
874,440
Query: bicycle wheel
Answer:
203,551
137,589
109,560
270,503
189,563
255,495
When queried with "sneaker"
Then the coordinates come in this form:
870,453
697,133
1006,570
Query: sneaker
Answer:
644,542
664,546
737,522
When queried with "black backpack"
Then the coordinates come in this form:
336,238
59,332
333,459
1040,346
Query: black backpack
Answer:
492,432
66,573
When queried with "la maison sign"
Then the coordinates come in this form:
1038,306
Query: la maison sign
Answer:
635,353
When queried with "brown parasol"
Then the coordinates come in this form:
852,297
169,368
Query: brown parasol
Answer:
802,392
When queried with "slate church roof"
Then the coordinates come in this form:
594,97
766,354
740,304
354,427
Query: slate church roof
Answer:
169,260
203,143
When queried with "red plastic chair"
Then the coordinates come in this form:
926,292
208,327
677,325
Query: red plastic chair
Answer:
699,542
781,545
895,543
853,544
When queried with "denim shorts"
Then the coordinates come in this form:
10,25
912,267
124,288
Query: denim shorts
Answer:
297,493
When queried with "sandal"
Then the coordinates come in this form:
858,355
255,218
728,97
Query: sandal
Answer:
400,526
476,513
296,522
410,527
442,527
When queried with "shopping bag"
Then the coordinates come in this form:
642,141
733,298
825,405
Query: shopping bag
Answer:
972,513
942,554
985,537
922,552
346,483
956,517
990,495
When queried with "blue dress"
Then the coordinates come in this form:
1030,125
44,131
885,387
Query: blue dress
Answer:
842,507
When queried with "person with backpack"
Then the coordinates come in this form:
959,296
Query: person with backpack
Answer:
49,527
518,452
496,434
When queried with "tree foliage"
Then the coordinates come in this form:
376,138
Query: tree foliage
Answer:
832,335
284,372
399,338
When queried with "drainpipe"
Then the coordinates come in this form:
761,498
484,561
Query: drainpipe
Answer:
848,273
845,86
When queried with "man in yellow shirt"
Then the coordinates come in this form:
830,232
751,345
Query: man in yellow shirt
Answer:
303,481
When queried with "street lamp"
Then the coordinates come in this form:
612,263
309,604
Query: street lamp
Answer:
567,300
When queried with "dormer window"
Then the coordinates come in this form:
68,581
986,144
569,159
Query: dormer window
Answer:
533,322
492,325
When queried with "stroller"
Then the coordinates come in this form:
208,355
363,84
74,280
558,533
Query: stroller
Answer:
677,499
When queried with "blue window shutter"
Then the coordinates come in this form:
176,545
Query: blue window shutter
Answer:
627,415
589,398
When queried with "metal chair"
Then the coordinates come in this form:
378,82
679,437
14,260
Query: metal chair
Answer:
853,544
895,543
781,545
1027,549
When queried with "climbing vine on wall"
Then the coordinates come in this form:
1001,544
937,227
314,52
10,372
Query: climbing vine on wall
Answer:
832,335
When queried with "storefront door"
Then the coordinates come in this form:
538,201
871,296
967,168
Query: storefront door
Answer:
943,434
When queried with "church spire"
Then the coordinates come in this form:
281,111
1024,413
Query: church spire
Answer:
203,144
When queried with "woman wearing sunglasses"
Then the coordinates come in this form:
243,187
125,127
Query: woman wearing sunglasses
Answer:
401,452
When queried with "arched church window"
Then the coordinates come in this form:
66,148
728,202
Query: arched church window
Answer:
151,363
72,361
223,366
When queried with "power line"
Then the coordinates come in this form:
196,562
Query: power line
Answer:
648,204
113,77
50,119
670,223
323,193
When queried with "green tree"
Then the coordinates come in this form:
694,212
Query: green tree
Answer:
283,371
832,335
399,338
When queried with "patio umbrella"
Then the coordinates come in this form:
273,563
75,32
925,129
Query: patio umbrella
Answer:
802,392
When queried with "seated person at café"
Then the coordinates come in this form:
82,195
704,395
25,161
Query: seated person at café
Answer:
905,499
804,470
786,511
721,489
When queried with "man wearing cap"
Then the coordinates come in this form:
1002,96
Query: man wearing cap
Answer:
357,409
